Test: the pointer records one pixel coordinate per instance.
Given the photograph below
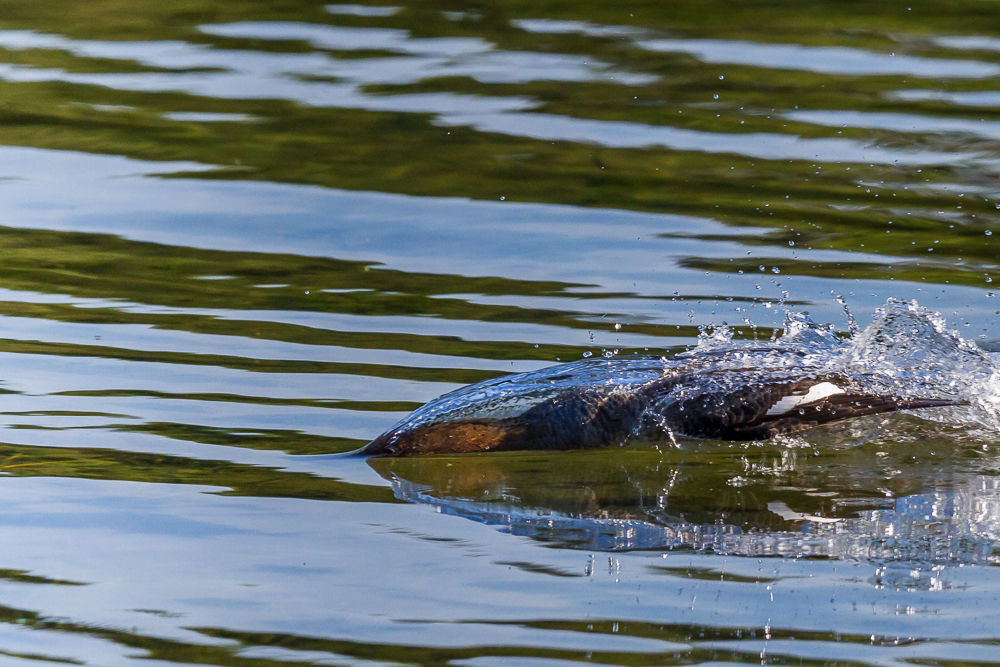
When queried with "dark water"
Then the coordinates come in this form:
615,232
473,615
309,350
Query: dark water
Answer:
240,238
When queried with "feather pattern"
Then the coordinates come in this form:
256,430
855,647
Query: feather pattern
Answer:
591,417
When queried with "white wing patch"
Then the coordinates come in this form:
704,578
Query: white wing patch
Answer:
817,392
788,514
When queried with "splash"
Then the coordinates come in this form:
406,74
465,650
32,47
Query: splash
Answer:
909,351
906,353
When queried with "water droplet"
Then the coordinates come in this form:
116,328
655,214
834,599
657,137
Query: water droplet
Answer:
588,353
989,233
617,326
721,77
791,243
775,269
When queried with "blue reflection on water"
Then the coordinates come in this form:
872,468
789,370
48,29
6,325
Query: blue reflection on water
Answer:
769,146
898,122
822,59
363,10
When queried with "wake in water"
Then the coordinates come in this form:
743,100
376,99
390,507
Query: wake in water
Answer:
958,525
722,389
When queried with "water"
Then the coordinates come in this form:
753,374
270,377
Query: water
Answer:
240,239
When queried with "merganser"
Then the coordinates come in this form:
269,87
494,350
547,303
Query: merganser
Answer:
708,404
723,390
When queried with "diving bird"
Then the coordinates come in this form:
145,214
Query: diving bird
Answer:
906,359
717,404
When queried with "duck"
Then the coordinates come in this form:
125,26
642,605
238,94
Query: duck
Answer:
714,404
722,389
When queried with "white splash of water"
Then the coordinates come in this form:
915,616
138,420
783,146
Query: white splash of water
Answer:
906,352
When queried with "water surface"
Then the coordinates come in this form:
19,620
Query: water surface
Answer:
240,239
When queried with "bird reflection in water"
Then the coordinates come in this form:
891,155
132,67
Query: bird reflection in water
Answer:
924,501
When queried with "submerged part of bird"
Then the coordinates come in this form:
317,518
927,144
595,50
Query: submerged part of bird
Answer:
905,360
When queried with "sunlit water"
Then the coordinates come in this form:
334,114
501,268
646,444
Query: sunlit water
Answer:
239,240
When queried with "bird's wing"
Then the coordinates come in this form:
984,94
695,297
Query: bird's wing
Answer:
826,410
757,411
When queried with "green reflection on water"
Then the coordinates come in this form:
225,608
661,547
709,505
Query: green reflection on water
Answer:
239,479
407,153
129,275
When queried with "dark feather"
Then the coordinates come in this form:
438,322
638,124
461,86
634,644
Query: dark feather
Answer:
827,411
589,418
